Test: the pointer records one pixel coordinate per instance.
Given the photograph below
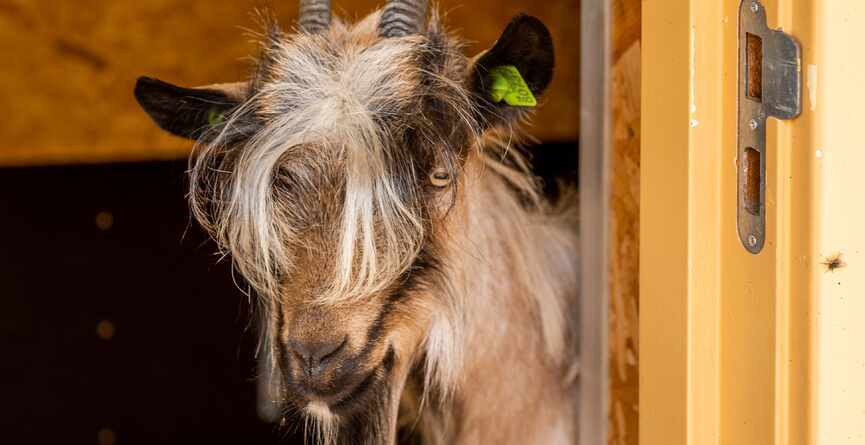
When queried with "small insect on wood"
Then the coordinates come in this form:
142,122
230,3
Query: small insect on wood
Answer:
833,262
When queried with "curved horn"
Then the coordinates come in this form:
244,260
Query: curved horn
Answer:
314,15
402,18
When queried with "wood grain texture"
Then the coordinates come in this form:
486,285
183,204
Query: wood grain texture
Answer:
625,227
627,25
69,67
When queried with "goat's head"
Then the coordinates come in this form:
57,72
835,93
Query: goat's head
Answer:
328,178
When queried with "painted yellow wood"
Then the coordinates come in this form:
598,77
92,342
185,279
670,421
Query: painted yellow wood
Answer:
739,348
834,151
664,223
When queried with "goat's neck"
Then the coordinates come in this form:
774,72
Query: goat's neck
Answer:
516,271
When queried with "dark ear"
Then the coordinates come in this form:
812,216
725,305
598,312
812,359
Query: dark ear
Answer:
526,45
186,112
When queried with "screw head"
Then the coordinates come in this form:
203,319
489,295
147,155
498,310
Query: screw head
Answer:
755,7
753,124
752,240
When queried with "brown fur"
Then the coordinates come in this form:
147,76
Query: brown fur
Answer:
370,195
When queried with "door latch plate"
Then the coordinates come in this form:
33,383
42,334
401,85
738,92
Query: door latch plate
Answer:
770,85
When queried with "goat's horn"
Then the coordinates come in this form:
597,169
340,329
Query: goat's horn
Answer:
402,17
314,15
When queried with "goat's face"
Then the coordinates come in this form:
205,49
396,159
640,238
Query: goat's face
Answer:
329,178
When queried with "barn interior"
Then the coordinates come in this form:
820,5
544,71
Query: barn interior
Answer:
118,322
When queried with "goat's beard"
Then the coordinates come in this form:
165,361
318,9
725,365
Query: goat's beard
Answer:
371,420
370,423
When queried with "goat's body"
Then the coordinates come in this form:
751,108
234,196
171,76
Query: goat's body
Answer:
516,267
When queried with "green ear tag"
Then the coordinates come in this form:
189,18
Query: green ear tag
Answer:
507,84
214,117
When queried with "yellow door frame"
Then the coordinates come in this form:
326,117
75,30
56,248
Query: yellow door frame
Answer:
737,348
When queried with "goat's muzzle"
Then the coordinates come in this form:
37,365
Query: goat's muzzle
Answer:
327,374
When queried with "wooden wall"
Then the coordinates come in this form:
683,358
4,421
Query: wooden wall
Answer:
625,227
69,67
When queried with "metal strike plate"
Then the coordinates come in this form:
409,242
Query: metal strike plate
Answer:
770,85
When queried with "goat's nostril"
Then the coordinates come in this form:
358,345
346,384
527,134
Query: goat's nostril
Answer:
314,354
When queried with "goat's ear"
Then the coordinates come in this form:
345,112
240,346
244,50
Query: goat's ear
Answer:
187,112
508,78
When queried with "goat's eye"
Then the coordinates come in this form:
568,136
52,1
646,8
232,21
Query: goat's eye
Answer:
440,178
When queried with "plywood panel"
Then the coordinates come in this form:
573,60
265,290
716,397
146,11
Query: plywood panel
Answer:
625,223
69,67
625,248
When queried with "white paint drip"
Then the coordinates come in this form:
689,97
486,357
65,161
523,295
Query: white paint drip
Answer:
819,153
811,85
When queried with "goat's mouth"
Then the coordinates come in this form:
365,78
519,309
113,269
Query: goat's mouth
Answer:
364,392
357,410
351,394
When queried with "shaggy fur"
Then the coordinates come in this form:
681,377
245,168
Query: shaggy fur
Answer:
374,200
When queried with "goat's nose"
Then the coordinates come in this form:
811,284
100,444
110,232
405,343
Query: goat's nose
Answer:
314,355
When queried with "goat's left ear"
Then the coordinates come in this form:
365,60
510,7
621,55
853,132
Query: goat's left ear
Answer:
187,112
508,78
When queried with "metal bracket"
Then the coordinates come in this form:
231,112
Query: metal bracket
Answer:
770,85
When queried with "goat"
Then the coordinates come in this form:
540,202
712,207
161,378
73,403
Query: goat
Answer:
412,281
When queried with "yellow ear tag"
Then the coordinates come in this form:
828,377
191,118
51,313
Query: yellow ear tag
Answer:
214,117
506,83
